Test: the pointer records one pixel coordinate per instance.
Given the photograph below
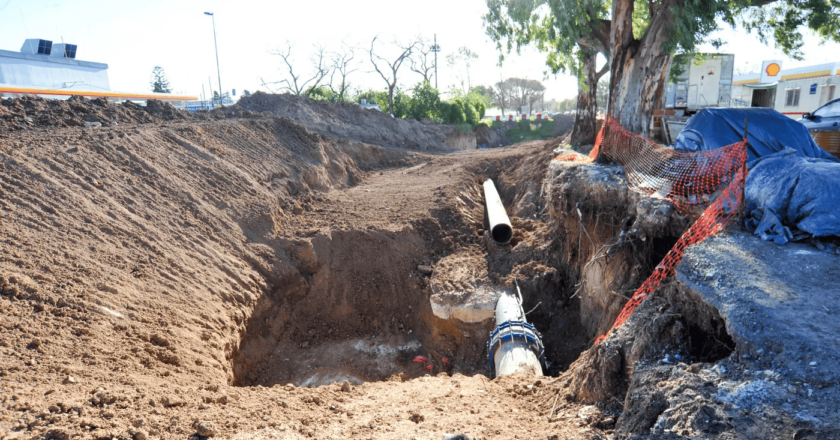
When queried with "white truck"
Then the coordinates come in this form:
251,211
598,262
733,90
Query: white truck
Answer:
702,80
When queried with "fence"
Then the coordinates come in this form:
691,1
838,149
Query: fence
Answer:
713,180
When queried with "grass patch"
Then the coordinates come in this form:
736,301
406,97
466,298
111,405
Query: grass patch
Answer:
529,131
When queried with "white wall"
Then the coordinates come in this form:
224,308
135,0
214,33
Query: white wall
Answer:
27,70
807,101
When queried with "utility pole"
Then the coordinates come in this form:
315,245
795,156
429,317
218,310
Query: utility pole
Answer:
436,49
218,71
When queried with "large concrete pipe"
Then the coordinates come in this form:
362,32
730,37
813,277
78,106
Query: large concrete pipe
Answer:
500,228
514,345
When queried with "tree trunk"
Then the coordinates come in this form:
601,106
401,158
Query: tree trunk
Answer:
639,68
586,110
391,100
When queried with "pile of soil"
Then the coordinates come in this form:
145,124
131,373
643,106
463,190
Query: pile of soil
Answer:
351,121
33,112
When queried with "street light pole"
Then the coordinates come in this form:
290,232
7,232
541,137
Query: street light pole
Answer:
218,71
436,49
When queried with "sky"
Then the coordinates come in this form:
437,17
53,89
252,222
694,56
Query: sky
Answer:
133,37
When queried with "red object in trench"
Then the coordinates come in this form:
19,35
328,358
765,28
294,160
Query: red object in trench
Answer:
419,359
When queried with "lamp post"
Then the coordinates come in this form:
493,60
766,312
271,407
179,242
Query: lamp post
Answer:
436,49
218,71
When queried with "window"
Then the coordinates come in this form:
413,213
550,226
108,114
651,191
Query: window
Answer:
44,47
69,51
831,110
792,99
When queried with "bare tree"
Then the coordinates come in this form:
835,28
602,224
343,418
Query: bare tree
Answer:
465,57
423,61
294,83
343,67
393,66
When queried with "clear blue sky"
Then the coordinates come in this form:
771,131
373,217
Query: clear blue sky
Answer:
134,36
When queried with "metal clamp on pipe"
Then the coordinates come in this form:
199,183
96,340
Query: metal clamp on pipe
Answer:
515,333
514,344
500,228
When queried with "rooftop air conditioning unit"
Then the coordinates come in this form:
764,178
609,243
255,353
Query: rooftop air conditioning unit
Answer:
37,46
63,50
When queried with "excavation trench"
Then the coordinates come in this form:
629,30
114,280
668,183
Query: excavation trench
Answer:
362,305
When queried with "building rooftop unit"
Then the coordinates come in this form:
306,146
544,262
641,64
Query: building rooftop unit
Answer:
51,70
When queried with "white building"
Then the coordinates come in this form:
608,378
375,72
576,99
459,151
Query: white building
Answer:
51,70
798,91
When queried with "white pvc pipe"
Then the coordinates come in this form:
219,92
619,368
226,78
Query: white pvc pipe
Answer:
513,356
500,228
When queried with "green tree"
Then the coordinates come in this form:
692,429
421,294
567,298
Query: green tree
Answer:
643,37
374,97
246,93
425,101
571,32
471,114
159,82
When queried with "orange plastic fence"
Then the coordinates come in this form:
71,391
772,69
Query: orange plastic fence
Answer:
688,180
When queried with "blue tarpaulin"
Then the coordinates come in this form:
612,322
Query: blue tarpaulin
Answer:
793,187
768,132
790,197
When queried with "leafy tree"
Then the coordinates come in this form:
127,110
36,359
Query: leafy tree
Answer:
373,97
159,82
643,37
480,98
246,93
425,101
471,114
571,32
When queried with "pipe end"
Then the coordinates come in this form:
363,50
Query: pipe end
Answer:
501,233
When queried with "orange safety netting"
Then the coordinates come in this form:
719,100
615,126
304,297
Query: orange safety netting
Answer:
687,179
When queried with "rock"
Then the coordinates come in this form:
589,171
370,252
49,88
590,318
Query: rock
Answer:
205,429
425,269
169,402
140,435
93,124
416,418
455,437
58,434
203,406
346,387
108,413
69,380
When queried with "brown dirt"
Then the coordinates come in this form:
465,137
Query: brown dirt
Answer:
351,121
31,112
159,275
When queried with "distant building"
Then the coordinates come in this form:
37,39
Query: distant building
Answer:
51,70
796,91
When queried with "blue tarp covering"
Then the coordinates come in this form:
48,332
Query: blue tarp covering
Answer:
768,132
793,187
791,197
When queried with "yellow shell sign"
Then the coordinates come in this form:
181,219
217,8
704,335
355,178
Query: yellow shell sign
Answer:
773,69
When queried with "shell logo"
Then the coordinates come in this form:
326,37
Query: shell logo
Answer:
773,69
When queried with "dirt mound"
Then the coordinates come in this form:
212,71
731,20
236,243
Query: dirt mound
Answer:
489,137
351,121
33,112
563,123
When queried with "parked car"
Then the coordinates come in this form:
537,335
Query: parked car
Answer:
824,125
826,117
